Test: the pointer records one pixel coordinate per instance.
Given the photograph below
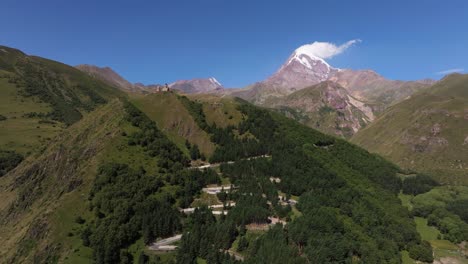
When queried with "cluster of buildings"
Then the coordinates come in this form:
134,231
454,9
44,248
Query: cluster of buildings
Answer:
163,88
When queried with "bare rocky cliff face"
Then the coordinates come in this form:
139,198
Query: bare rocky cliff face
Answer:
369,86
326,106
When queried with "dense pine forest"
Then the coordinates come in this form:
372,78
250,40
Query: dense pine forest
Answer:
349,212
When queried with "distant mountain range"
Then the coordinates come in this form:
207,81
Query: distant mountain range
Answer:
348,99
303,69
187,86
362,94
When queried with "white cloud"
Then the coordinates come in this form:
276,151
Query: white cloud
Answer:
325,50
449,71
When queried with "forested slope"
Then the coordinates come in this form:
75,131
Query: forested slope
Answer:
348,201
125,181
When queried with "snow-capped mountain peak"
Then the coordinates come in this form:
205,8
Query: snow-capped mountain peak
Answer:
303,68
306,56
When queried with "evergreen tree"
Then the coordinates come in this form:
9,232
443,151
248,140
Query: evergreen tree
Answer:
243,244
143,258
195,152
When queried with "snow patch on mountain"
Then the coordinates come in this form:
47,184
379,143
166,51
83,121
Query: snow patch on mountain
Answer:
214,81
315,53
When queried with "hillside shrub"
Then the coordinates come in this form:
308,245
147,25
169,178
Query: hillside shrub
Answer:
460,208
418,184
422,252
8,161
449,224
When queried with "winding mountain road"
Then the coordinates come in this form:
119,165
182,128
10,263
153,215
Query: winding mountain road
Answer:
214,165
165,244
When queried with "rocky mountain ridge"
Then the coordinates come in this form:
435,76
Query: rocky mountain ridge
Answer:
107,74
326,106
206,85
302,70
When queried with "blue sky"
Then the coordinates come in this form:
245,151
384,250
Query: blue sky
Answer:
239,42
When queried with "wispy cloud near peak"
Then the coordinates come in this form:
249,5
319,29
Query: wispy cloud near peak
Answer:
449,71
325,50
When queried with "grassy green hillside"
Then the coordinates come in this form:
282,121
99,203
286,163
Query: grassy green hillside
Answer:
42,197
40,97
18,131
174,120
220,111
427,133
